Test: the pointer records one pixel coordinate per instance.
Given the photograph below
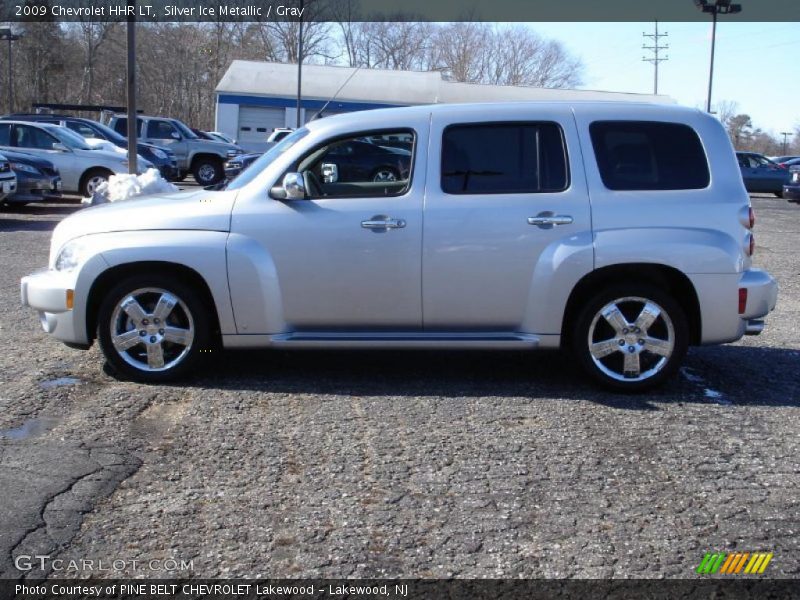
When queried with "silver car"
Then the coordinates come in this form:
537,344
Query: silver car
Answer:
592,226
82,168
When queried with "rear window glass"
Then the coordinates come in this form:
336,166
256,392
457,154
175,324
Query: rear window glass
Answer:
504,158
644,155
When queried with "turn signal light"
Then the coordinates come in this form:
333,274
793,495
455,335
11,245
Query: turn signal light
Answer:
752,218
70,299
742,300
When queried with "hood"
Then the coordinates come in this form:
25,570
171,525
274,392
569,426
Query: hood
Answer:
27,159
112,155
199,210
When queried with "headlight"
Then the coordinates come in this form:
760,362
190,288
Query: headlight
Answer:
26,168
232,153
70,256
158,153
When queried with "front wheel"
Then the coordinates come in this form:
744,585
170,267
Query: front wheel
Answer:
92,180
631,338
152,328
208,171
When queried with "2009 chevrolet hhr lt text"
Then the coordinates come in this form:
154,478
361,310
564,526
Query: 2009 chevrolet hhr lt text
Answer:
621,231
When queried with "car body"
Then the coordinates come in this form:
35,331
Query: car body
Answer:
162,158
239,163
82,169
594,226
204,159
792,164
360,160
8,179
37,179
780,160
761,175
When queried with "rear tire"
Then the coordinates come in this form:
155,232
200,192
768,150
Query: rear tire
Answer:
631,337
153,328
779,194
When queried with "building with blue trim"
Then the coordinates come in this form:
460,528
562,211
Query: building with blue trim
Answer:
253,98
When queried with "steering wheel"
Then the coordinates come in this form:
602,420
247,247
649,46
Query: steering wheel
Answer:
313,186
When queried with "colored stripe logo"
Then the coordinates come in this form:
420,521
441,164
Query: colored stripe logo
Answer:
734,563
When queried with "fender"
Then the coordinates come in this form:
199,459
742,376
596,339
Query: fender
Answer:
699,251
201,251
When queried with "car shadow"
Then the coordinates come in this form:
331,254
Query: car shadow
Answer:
20,225
722,375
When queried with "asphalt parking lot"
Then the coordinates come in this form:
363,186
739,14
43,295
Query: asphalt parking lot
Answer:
380,464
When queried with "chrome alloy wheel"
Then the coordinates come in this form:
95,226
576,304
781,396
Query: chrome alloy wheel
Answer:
206,173
152,329
94,182
631,339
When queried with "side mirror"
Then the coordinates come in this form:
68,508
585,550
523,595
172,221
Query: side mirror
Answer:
176,135
294,186
60,147
330,172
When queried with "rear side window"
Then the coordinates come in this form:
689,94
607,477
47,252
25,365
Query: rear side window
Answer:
121,126
644,155
504,158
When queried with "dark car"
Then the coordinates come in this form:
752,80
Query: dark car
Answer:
163,158
782,160
239,163
358,161
791,191
761,175
37,179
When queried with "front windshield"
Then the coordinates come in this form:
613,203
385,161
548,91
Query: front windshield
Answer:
255,169
185,131
69,138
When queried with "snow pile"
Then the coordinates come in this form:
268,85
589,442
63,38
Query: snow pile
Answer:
98,144
126,186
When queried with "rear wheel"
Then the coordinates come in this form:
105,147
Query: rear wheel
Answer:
385,174
631,338
779,194
152,328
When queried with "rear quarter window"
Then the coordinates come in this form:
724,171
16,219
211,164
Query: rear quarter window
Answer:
645,155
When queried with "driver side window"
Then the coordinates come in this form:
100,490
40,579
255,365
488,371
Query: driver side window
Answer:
160,130
359,165
33,137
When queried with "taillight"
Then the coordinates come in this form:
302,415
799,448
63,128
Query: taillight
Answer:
751,244
742,300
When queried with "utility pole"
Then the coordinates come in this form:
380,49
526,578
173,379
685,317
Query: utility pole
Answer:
7,34
131,89
656,48
300,65
719,7
785,135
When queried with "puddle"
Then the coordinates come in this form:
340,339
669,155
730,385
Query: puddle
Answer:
30,428
52,383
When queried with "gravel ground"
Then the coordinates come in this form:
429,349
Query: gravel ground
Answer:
416,464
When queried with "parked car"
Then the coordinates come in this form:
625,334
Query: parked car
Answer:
278,134
37,179
82,169
355,160
239,163
488,239
791,191
782,159
8,179
792,164
761,175
162,158
221,137
204,159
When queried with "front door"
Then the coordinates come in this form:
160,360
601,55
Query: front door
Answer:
348,257
504,203
165,134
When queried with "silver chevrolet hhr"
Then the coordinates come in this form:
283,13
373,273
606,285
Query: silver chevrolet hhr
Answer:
621,231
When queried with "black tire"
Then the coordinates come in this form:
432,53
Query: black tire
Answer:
89,179
208,170
186,357
779,194
654,367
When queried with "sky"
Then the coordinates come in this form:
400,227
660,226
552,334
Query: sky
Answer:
755,64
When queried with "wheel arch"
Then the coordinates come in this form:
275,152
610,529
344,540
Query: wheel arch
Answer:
669,279
95,169
111,276
204,155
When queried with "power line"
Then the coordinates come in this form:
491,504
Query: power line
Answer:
656,49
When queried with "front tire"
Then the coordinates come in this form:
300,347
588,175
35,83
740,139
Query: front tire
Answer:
208,171
631,338
92,179
153,328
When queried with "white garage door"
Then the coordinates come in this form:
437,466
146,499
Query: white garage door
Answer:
256,123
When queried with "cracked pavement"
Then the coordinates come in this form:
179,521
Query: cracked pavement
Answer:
416,464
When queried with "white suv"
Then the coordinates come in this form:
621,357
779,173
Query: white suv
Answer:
621,231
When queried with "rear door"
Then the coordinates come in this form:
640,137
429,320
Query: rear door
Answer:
503,198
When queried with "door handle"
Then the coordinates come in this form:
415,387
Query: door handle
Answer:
548,220
381,222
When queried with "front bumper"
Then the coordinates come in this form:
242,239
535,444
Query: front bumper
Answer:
36,189
169,171
46,292
792,192
8,186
